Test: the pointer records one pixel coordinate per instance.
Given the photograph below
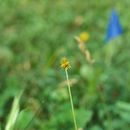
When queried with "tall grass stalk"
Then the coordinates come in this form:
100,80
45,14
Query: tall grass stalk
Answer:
71,100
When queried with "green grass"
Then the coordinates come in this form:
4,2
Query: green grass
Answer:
35,35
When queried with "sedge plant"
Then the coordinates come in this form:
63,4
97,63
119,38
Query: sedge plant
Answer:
66,65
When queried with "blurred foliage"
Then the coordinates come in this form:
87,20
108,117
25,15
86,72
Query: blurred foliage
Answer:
34,35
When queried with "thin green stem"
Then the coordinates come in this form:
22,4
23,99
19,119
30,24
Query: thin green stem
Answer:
102,97
71,101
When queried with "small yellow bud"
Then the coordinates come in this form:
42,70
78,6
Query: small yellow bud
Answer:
65,63
84,36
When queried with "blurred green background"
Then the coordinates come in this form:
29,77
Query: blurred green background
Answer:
35,35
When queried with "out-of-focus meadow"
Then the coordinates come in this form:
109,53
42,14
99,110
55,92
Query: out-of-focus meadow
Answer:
35,35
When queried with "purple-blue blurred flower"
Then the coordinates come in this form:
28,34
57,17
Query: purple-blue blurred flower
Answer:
114,27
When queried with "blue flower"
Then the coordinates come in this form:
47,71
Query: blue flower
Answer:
114,27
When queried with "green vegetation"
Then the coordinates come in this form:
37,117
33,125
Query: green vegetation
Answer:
34,36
